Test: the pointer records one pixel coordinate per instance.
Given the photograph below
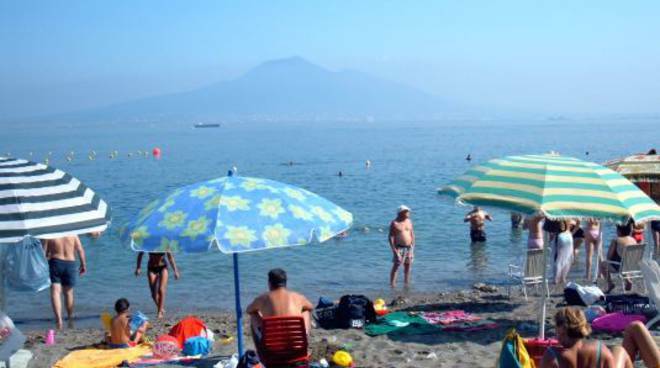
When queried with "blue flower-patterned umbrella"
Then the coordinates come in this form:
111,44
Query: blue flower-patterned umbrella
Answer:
235,214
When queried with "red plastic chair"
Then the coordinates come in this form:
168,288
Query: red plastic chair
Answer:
284,342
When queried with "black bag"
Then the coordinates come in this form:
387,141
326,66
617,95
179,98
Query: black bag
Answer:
249,360
326,317
354,311
628,304
572,297
552,226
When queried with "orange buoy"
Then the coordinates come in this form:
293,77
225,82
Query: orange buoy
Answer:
156,152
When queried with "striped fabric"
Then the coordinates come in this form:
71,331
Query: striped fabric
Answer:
558,187
41,201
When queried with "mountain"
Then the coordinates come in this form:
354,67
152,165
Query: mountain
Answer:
285,88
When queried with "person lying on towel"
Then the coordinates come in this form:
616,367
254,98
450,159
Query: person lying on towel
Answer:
121,334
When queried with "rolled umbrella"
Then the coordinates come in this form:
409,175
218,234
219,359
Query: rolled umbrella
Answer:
555,186
235,215
44,202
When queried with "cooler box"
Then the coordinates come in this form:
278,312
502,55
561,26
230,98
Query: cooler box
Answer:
536,348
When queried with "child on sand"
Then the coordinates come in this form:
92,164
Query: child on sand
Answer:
121,335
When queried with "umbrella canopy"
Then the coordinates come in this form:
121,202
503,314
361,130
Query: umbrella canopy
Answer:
556,186
43,202
640,168
235,215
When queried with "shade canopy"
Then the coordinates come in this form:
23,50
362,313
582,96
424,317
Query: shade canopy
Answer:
555,186
640,168
43,202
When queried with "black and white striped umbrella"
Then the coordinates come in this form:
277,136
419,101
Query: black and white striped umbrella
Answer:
41,201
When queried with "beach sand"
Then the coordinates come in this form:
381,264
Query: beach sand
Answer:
443,349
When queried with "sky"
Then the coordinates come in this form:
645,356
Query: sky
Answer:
550,57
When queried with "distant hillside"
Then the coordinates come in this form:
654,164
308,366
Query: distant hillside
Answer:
285,88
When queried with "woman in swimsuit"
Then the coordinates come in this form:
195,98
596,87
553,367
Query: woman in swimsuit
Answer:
623,239
563,253
158,276
591,243
576,352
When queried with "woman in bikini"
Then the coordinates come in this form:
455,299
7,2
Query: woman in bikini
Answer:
157,276
578,352
591,243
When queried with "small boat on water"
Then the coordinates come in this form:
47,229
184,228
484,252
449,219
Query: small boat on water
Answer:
207,125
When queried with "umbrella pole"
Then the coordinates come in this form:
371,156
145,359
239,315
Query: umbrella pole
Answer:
543,288
239,311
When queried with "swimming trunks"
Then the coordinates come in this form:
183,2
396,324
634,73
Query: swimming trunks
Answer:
405,252
534,243
655,225
579,234
156,269
477,235
118,346
616,258
63,272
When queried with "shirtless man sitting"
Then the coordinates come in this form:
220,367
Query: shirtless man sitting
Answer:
477,219
402,242
278,301
61,255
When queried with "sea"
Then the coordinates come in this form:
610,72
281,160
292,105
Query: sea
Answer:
409,162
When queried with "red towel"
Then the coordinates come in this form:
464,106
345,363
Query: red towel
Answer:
188,327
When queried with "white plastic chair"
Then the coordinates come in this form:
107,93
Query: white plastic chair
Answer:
629,266
651,272
533,273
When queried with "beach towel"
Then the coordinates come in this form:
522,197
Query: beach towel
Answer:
151,360
470,326
102,358
615,322
448,318
400,323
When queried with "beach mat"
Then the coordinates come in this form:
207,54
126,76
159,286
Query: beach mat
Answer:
102,358
400,323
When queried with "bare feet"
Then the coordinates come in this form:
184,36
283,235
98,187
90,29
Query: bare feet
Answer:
610,287
58,325
161,314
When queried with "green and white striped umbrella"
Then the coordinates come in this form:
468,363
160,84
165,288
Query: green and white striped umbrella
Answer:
556,186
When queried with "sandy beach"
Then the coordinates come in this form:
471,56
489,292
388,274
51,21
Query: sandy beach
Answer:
442,349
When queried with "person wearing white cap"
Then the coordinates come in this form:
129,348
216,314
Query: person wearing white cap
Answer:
402,243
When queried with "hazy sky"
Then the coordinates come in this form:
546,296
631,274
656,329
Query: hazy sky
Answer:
549,57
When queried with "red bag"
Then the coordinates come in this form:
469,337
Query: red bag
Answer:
188,327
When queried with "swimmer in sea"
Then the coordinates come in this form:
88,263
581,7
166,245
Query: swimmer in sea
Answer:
477,219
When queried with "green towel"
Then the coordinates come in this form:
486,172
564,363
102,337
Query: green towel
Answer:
416,325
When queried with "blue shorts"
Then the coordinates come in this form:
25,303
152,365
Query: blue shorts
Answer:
63,272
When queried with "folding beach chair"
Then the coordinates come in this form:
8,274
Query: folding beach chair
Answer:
283,342
629,266
532,275
651,272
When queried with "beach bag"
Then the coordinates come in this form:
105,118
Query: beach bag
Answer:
513,353
249,360
26,265
628,304
325,313
354,311
11,339
197,345
188,327
575,294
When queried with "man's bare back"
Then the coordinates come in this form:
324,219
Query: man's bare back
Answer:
280,302
63,248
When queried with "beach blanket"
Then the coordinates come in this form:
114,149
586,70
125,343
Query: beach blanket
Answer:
448,318
400,323
102,358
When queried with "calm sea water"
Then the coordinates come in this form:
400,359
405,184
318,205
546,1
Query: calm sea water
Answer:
409,162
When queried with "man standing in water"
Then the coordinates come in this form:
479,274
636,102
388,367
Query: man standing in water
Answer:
477,219
61,255
402,243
